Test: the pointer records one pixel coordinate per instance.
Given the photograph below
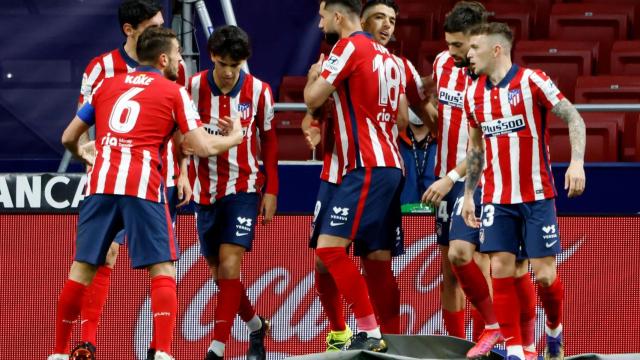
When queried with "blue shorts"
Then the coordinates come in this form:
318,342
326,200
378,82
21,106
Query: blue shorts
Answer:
148,226
172,202
230,220
528,230
325,194
365,208
449,222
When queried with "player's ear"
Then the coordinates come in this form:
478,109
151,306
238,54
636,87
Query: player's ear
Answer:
128,29
163,59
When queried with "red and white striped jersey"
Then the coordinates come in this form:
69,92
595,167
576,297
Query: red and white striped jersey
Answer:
117,62
451,82
134,116
333,162
512,117
236,170
411,81
368,87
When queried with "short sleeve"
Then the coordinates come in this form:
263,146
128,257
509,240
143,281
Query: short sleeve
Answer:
544,90
339,65
186,114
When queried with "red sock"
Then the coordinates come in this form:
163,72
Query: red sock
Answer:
164,307
478,324
384,293
229,298
94,300
527,297
475,287
246,310
551,298
351,284
507,309
330,300
454,323
69,305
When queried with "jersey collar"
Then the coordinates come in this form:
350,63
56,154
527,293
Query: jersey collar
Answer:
505,81
148,68
215,90
128,59
369,35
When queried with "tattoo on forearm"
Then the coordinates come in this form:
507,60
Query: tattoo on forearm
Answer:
577,132
475,164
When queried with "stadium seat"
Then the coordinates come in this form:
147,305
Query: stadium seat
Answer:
636,29
625,58
411,29
636,155
604,23
428,52
292,89
539,10
561,60
291,143
614,90
602,141
518,16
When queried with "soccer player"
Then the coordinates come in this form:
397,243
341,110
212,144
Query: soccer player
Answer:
458,242
365,82
507,107
229,188
134,17
134,114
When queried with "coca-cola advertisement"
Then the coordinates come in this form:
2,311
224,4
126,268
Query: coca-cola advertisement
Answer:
599,267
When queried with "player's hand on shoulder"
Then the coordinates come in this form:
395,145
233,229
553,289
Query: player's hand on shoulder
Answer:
316,69
437,191
575,179
87,152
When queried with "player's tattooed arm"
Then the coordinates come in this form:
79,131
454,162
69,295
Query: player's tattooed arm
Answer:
475,160
577,132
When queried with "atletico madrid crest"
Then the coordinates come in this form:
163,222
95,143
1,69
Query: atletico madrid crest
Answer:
245,110
514,97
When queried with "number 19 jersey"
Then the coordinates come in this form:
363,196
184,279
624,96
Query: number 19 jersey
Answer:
368,88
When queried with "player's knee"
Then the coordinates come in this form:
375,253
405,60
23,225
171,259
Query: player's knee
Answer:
501,267
229,268
545,276
459,256
112,255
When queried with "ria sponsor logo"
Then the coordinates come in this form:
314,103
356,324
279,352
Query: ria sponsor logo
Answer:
503,126
109,140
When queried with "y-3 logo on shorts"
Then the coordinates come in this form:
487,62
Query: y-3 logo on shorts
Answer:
244,226
549,233
340,215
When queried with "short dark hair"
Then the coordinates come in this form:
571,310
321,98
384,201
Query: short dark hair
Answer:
353,6
494,28
464,16
134,12
371,3
154,41
230,40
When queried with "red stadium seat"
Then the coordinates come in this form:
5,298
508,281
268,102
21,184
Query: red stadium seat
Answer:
636,156
518,16
604,23
292,89
622,2
561,60
539,10
625,58
614,90
428,52
602,141
411,29
291,143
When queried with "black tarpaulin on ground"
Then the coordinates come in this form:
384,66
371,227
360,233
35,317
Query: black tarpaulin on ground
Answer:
433,347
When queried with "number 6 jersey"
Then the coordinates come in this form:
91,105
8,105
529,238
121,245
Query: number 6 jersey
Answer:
134,115
368,86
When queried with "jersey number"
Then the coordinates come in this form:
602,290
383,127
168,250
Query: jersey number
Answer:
388,81
125,103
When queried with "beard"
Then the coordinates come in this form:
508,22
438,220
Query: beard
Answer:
171,72
462,63
331,38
